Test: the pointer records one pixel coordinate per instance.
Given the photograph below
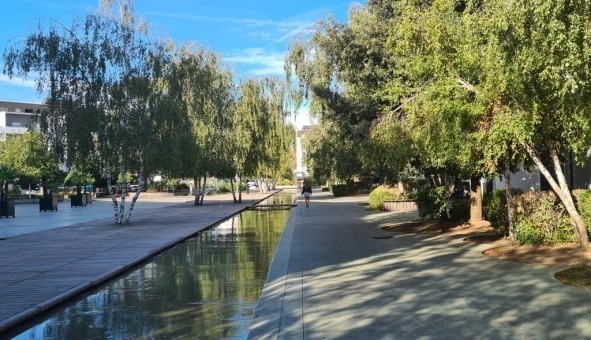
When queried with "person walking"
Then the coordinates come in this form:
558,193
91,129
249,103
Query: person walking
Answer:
307,191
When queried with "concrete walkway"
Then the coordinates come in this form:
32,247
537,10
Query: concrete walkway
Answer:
49,257
335,275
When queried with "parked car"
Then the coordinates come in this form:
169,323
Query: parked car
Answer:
253,183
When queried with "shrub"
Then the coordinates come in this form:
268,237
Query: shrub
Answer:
584,205
431,202
339,190
459,209
225,188
284,182
381,194
541,219
495,204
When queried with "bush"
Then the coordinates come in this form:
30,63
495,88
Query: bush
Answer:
284,182
459,210
381,194
431,202
495,204
584,205
225,188
541,219
339,190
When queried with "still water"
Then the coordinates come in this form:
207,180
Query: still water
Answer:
205,287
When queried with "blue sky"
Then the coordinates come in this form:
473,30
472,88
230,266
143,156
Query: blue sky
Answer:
251,35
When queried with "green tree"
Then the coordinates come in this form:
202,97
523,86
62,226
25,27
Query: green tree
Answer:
342,71
27,156
536,74
100,77
78,178
207,96
257,127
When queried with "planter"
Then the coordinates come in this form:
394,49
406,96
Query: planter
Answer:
401,205
48,203
7,208
78,200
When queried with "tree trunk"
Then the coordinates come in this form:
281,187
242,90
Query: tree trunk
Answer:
202,196
232,189
44,186
123,170
111,193
197,185
401,187
475,199
5,191
561,189
239,185
141,183
509,197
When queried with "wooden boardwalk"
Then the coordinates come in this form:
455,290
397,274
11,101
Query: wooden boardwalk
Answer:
42,269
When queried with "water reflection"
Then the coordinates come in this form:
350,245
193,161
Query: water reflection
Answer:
203,288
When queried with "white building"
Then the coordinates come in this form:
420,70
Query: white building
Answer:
17,118
301,170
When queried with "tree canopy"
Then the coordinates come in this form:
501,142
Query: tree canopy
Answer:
27,156
466,87
118,98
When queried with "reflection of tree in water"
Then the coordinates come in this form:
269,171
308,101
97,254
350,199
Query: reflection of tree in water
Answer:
206,287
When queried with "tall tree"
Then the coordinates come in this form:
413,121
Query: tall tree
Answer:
342,70
100,79
536,74
208,93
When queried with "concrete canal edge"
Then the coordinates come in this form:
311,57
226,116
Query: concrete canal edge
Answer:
272,300
71,293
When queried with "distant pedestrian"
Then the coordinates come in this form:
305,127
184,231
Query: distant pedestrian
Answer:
307,191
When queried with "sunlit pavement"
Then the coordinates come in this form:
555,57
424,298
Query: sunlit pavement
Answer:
29,219
336,275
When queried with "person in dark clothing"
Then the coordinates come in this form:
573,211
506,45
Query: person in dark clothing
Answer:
307,192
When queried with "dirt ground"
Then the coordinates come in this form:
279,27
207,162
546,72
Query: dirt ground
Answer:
578,274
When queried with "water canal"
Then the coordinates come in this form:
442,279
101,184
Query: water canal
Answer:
205,287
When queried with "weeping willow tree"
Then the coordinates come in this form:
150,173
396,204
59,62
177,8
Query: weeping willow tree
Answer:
207,95
99,76
259,133
279,137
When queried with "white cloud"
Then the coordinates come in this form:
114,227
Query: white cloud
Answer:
244,21
17,82
298,31
263,61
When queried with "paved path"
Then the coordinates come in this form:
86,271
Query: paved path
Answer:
334,276
39,269
30,220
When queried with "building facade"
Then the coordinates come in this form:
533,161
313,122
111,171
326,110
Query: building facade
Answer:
17,118
301,170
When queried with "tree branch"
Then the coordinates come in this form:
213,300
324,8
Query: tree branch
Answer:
466,85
